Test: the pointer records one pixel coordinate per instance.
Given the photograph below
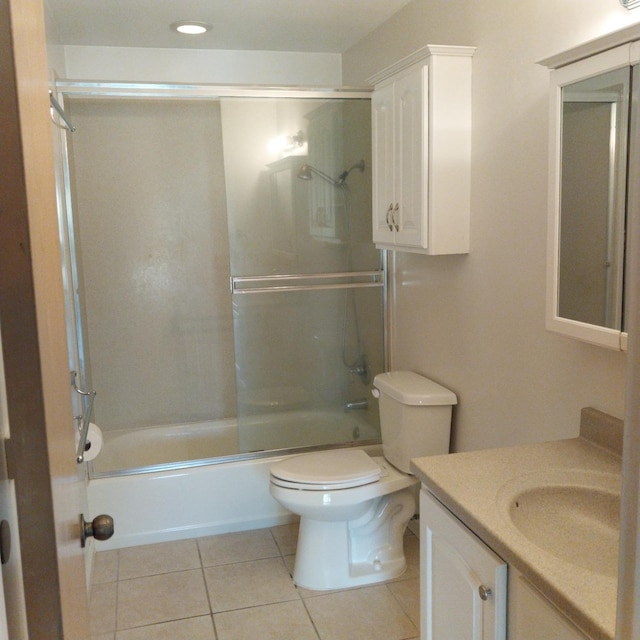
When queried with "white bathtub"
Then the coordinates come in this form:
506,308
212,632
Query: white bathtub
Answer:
172,504
130,449
136,448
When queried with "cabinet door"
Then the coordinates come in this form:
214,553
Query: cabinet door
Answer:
383,164
463,584
533,617
410,164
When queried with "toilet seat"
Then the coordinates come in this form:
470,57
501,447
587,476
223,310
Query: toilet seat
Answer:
326,470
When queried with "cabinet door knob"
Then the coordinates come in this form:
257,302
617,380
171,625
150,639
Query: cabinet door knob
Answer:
389,210
484,592
395,218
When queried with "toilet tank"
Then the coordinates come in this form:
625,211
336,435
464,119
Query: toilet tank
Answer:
415,416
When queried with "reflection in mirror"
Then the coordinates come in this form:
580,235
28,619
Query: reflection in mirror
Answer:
592,199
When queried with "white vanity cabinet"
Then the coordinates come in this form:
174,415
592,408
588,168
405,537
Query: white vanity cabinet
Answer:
421,121
464,591
463,583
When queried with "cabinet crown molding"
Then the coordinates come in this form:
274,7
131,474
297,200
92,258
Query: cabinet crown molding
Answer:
592,47
418,56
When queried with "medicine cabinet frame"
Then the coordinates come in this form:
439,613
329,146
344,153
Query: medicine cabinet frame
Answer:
588,61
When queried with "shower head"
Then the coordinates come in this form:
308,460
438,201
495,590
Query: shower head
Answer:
306,172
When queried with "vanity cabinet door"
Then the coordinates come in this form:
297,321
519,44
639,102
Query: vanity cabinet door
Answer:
463,583
533,617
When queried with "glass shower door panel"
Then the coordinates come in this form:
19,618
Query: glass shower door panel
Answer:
298,185
305,360
306,277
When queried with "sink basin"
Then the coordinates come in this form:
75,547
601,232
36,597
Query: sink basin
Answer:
573,515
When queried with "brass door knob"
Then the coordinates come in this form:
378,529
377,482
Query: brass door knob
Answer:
101,528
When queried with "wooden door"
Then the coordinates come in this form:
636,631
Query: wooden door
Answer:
40,452
13,615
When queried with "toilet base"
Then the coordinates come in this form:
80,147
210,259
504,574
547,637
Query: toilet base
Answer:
368,550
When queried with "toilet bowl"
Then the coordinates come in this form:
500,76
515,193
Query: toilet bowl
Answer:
349,535
354,508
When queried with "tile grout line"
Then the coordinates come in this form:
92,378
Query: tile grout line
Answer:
313,624
206,588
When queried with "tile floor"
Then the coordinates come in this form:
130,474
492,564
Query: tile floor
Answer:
238,586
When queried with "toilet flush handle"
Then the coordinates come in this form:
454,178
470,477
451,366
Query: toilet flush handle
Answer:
375,392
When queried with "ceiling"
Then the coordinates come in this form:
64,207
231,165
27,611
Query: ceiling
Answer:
323,26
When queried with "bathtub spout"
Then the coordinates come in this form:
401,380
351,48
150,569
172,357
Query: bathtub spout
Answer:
356,404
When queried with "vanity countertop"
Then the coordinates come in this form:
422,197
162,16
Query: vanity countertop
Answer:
469,485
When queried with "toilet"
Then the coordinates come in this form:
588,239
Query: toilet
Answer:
354,508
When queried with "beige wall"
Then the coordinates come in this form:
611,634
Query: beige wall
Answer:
135,64
476,323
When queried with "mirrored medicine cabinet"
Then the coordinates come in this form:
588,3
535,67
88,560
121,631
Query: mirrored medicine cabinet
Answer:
592,155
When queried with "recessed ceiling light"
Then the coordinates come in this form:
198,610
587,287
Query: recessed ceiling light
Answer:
191,27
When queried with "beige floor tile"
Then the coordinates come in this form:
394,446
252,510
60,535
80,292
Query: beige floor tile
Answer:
370,613
237,547
407,593
154,599
249,584
190,629
102,608
286,537
154,559
283,621
105,567
103,636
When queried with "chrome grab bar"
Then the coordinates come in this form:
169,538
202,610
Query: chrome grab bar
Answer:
296,282
86,417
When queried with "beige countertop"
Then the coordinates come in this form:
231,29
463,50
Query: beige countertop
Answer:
470,484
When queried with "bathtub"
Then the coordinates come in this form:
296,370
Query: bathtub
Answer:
201,497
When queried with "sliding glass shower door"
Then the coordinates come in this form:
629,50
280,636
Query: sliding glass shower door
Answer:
225,276
306,279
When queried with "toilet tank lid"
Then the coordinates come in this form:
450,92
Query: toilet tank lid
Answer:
413,389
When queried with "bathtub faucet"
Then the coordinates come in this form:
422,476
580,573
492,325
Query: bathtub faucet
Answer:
363,403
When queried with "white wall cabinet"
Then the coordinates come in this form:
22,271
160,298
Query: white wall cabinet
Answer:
463,583
421,121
